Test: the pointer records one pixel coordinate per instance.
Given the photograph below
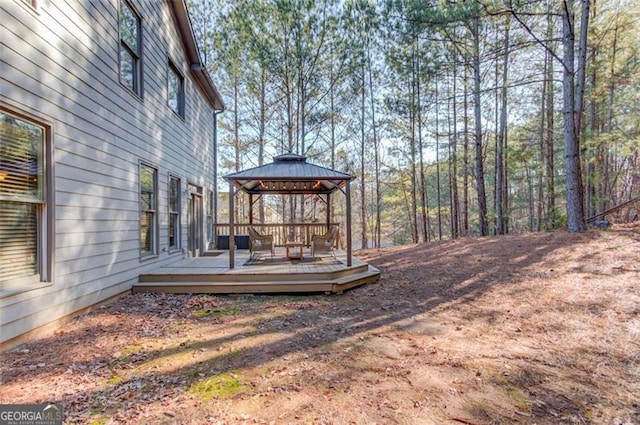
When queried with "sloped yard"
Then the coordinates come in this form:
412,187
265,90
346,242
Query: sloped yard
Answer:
529,329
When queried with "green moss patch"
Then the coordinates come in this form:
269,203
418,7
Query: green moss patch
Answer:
218,386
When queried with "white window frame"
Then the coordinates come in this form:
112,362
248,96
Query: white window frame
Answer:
174,216
44,243
209,224
150,210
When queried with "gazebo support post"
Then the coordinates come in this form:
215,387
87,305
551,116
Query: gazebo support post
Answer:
232,227
328,211
250,208
348,193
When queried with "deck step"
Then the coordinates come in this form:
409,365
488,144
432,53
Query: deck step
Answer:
306,285
252,287
371,275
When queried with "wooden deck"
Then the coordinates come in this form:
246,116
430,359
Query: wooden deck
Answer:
212,275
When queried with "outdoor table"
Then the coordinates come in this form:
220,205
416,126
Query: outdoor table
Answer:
291,253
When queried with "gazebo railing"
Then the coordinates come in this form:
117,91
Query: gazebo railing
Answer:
282,232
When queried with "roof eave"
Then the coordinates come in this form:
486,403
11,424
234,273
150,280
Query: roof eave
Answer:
290,192
199,72
232,178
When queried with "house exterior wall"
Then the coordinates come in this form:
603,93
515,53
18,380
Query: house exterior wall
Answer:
60,67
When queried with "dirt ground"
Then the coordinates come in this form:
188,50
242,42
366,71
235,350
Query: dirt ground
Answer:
528,329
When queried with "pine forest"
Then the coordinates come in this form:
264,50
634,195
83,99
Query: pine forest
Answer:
458,118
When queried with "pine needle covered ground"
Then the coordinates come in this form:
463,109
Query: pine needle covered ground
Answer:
531,329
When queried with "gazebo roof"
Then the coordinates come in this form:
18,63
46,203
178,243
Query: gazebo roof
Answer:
289,174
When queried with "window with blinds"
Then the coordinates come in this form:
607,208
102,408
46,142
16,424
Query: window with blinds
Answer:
22,200
210,218
174,212
148,209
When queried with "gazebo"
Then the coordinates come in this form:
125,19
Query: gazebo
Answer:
289,174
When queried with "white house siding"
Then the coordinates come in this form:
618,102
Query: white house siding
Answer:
60,64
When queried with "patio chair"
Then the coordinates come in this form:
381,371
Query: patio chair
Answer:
324,243
260,242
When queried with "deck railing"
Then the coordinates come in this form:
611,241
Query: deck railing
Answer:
299,232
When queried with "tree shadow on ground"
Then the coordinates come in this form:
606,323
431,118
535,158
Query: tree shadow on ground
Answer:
417,279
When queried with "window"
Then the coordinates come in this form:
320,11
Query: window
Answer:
130,48
175,90
210,218
148,210
174,213
23,149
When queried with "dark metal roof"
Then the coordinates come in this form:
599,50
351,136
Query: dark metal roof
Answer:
289,174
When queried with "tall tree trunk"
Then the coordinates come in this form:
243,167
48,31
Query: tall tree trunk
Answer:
607,190
480,186
408,208
412,123
496,133
236,126
363,204
455,205
301,126
239,204
289,113
378,195
593,156
541,147
377,236
501,192
550,222
452,218
424,199
571,98
333,140
530,195
261,133
465,157
438,191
